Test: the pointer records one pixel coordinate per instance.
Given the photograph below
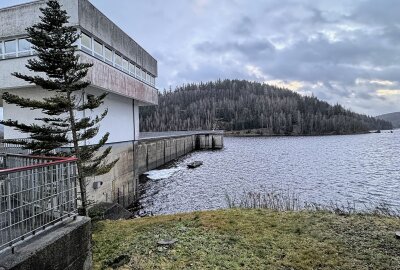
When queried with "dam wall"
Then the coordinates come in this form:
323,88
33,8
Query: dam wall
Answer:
155,152
151,151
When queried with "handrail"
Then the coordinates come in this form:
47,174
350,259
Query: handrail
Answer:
40,165
37,157
35,194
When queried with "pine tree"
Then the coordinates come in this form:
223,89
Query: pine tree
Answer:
54,44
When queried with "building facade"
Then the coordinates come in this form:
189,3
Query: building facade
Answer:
121,67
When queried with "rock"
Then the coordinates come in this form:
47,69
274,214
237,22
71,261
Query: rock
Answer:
107,210
167,242
195,164
118,261
397,234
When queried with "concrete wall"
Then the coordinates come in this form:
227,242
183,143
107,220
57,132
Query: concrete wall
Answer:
154,153
101,75
83,14
65,247
121,121
120,185
135,158
108,78
26,116
16,19
12,65
96,23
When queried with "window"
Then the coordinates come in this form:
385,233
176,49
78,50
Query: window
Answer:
118,61
98,50
86,43
10,48
125,65
108,55
137,72
132,69
24,47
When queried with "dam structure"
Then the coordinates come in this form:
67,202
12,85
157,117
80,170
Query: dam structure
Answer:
121,68
40,224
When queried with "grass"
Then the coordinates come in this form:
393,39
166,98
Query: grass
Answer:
249,239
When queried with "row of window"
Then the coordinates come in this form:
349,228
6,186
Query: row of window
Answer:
21,47
102,52
15,48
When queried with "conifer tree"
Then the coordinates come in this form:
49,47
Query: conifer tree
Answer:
59,70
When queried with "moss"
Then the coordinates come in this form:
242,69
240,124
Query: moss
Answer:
250,239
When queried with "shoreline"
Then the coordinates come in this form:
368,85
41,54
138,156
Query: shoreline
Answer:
254,133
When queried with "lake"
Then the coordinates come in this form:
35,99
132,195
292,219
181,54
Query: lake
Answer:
357,169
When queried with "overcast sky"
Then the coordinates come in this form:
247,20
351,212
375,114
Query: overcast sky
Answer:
339,50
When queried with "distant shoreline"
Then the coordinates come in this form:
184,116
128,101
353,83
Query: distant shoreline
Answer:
258,133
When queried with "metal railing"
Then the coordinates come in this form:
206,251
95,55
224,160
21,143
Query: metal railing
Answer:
35,193
13,148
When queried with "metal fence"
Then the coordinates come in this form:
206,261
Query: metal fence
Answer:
6,147
35,193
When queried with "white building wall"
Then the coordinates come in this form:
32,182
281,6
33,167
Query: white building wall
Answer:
119,121
136,119
25,116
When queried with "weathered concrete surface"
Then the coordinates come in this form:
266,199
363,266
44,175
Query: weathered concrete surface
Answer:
157,149
93,21
82,15
108,78
121,183
18,18
65,247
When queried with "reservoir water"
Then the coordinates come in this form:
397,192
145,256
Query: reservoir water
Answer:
357,169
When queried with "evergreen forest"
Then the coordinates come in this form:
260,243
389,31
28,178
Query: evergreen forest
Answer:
237,105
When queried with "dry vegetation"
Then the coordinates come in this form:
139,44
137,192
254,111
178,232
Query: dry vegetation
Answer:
249,239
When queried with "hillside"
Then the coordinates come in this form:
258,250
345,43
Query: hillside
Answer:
393,118
242,105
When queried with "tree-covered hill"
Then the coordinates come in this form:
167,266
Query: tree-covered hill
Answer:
393,118
243,105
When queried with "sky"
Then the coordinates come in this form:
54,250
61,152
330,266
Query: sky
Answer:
340,51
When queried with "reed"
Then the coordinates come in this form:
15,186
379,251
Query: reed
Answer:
286,200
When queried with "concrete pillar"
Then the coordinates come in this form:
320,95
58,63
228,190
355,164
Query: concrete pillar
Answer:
167,150
151,156
160,153
142,158
217,141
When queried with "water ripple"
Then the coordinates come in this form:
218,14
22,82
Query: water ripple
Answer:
355,168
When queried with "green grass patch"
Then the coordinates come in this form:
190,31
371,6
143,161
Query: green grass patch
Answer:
249,239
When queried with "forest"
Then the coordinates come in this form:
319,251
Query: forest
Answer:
237,105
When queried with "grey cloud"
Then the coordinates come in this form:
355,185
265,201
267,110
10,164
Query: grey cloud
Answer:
252,49
244,27
287,40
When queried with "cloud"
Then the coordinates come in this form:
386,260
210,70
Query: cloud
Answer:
340,51
388,92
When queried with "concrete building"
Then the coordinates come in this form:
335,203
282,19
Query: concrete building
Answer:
121,67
